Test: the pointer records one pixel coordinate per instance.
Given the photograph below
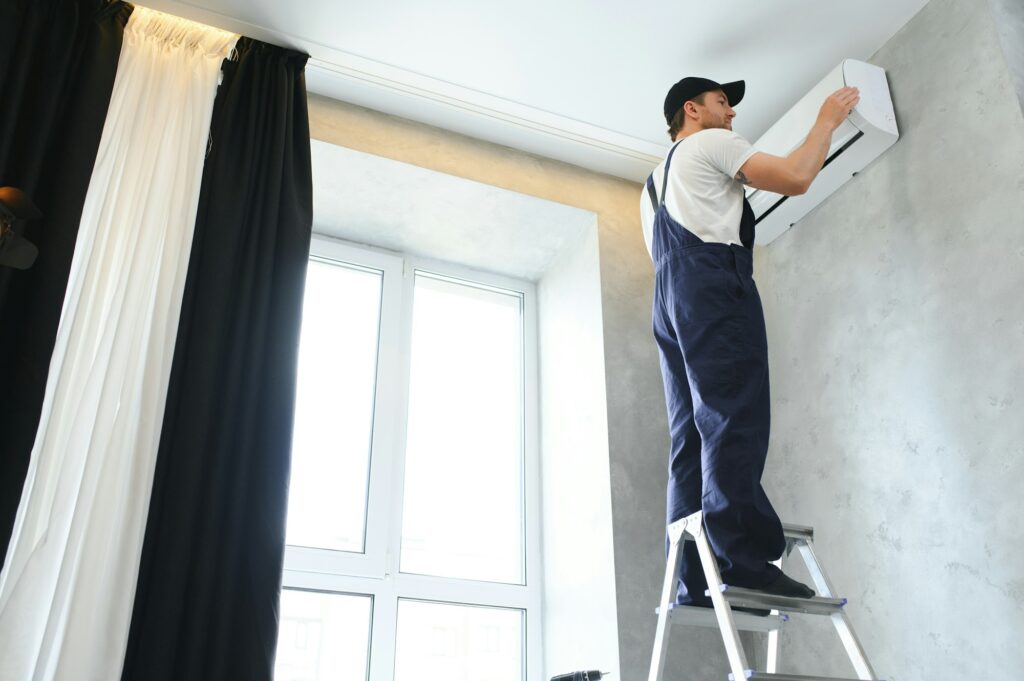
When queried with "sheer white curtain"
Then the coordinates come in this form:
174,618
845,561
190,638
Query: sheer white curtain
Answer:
68,583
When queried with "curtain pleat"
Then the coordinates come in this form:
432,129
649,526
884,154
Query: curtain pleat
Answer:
57,66
206,606
67,585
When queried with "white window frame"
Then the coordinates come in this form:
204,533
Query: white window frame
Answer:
376,571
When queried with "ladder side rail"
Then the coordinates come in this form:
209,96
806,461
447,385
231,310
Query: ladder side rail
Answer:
660,651
772,666
840,620
774,639
723,611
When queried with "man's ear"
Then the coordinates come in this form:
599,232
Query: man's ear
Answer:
690,108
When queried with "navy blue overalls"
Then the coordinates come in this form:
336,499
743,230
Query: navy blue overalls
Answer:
710,330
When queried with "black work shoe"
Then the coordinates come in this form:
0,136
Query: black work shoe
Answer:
787,586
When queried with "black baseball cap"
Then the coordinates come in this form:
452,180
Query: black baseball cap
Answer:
691,86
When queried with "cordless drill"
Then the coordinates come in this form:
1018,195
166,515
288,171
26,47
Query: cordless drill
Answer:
580,676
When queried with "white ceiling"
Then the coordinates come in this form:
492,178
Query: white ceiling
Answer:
580,81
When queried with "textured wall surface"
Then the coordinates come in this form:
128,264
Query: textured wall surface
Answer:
896,331
1009,18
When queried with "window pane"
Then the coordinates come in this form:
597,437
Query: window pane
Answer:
334,407
463,511
323,637
458,643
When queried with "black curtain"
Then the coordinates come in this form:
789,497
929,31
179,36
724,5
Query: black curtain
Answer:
58,59
206,606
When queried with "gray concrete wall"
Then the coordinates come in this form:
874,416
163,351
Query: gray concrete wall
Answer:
1009,18
896,331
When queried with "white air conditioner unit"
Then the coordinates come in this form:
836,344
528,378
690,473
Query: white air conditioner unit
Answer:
870,130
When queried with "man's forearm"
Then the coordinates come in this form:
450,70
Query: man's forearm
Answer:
806,162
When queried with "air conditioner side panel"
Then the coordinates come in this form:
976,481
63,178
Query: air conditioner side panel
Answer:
875,107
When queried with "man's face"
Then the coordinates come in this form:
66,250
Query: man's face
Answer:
716,112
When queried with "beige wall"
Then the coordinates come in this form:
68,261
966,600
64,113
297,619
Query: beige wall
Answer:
613,199
637,429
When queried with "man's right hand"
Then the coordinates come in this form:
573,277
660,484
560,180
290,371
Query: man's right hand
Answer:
838,106
793,174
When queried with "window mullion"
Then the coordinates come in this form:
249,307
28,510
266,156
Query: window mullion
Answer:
399,417
382,635
462,591
532,487
381,459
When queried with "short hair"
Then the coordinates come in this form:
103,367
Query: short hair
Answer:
679,120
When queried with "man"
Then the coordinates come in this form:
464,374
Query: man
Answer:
709,326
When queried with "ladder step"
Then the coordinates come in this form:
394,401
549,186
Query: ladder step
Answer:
798,531
705,617
765,676
791,531
751,598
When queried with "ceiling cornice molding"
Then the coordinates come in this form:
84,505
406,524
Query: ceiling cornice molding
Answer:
478,114
474,101
400,92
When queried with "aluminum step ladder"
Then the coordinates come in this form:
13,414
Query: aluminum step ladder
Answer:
730,623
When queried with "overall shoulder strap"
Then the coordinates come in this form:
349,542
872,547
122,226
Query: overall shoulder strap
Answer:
652,192
668,166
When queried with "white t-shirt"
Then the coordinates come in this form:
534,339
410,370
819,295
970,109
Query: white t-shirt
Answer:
703,194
